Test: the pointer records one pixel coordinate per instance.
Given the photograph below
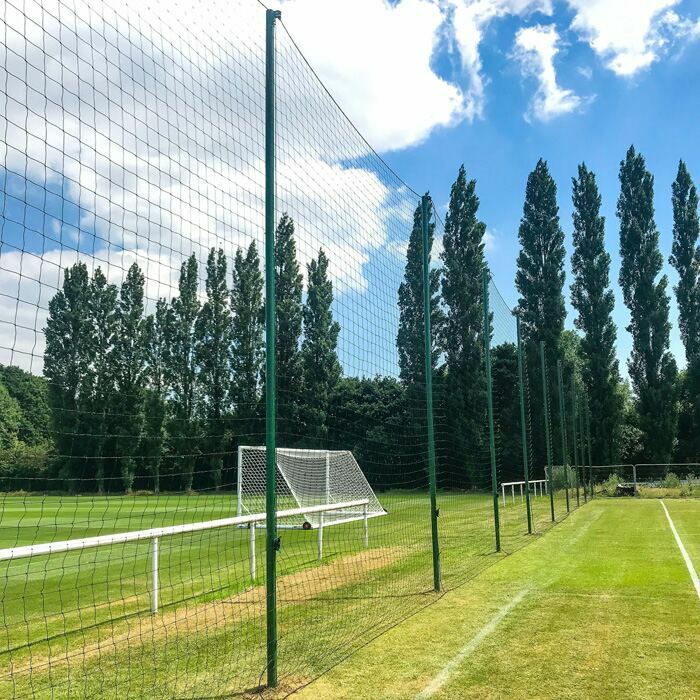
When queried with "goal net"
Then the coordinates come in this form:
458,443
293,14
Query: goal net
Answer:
306,478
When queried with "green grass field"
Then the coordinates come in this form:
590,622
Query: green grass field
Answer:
601,607
78,624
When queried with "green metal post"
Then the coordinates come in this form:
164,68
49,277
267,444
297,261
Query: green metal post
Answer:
425,216
547,435
489,404
562,428
582,437
523,426
590,455
574,438
272,542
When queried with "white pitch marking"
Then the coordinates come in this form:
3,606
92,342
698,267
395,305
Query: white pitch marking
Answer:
688,562
470,647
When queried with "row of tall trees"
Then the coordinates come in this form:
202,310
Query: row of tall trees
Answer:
639,422
646,430
137,393
130,390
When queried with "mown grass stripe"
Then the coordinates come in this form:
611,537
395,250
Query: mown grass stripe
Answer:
691,569
436,684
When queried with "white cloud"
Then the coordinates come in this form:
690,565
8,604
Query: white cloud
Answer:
375,58
158,135
629,35
470,19
536,48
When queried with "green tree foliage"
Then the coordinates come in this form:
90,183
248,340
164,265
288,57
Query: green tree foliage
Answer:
155,334
10,419
212,346
410,339
319,357
540,281
100,374
367,417
631,446
506,410
464,385
31,394
247,344
290,373
593,299
651,366
129,369
685,257
181,371
69,349
540,275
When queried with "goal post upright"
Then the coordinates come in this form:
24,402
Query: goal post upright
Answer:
428,351
271,542
489,404
239,481
547,434
523,425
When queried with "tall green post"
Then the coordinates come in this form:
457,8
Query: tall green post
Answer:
590,455
523,426
425,218
574,438
582,439
562,428
272,542
489,404
547,434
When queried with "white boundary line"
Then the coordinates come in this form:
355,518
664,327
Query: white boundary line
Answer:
688,562
444,675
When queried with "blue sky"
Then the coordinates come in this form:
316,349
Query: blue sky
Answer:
625,73
134,132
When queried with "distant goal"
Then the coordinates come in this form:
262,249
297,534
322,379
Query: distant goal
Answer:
305,479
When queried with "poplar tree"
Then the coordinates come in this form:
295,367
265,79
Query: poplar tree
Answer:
180,371
540,275
289,325
322,369
129,365
102,304
593,299
463,260
410,339
247,342
212,346
540,281
652,368
155,413
67,356
685,257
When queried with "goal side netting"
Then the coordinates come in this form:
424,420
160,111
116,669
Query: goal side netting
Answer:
306,478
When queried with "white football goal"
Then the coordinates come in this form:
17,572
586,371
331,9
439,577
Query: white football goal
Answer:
307,479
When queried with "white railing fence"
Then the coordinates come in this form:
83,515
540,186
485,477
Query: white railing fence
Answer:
154,534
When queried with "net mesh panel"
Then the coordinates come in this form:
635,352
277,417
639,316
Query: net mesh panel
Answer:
509,445
507,421
652,480
129,135
308,478
132,343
